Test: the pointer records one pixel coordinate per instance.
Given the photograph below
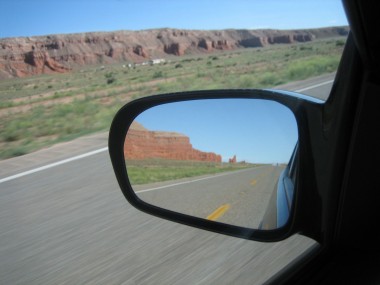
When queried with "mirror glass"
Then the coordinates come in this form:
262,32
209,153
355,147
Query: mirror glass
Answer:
217,159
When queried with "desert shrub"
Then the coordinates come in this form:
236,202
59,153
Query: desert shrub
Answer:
158,74
269,79
339,43
246,81
110,77
305,48
111,80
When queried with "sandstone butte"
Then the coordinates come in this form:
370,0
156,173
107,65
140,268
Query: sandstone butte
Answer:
141,144
25,56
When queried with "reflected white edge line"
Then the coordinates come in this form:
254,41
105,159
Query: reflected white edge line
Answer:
195,180
314,86
53,164
106,148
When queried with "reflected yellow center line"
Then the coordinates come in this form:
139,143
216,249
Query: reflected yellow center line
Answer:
218,212
260,176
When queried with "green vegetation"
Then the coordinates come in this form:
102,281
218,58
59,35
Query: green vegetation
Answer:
44,126
158,74
143,172
110,77
42,110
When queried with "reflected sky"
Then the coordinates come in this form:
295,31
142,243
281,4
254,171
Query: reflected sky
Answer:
255,130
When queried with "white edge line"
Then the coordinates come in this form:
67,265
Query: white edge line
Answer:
195,180
53,164
314,86
106,148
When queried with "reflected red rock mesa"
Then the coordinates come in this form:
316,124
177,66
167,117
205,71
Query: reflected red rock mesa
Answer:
141,143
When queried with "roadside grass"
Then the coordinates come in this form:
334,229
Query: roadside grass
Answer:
144,172
45,126
42,110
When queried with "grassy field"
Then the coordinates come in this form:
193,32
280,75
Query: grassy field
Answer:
150,171
42,110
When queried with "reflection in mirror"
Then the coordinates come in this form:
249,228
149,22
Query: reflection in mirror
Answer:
217,159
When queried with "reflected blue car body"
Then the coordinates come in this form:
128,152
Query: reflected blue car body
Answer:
280,205
285,189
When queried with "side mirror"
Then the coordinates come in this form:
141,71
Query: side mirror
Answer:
221,160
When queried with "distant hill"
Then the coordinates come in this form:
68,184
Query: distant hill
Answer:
25,56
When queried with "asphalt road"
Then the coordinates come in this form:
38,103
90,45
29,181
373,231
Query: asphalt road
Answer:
70,224
239,197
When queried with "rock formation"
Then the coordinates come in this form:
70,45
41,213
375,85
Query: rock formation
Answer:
141,143
59,53
232,160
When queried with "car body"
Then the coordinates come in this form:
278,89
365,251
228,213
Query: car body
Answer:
280,205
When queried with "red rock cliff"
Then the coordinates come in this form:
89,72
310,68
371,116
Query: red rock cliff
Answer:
144,144
60,53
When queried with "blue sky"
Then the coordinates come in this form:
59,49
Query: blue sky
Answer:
253,130
42,17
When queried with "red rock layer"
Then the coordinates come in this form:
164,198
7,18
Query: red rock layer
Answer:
60,53
144,144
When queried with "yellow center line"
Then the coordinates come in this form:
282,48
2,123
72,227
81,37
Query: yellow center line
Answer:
260,176
218,212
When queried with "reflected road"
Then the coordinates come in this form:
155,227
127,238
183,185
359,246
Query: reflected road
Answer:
238,197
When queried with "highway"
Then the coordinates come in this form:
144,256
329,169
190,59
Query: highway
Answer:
238,197
68,223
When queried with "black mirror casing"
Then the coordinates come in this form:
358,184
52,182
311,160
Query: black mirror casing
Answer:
304,214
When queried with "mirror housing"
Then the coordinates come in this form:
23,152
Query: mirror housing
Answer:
307,111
